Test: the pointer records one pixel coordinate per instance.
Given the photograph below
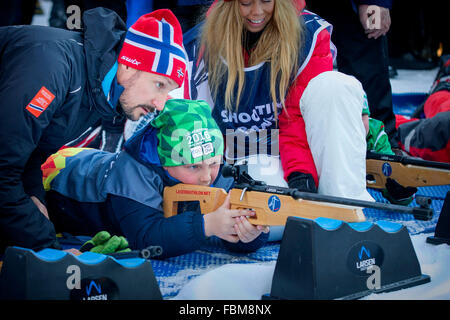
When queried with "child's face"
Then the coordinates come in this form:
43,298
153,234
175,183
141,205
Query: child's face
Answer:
202,173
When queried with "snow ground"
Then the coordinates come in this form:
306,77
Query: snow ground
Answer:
251,281
413,81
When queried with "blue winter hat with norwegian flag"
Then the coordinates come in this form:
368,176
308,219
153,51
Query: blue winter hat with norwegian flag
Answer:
154,43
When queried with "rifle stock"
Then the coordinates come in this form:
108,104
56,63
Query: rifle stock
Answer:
212,198
408,172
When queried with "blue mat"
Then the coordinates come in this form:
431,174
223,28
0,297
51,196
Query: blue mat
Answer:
436,193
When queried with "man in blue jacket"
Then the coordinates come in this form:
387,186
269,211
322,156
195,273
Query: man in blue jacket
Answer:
56,84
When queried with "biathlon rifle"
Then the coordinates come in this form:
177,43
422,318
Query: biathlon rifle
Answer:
273,205
409,172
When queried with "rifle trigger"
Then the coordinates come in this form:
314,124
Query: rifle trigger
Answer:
242,194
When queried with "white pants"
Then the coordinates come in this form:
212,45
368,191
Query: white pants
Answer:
331,106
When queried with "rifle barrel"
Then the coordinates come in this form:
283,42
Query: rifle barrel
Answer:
407,160
419,213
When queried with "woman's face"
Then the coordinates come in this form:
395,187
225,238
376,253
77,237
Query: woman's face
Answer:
256,13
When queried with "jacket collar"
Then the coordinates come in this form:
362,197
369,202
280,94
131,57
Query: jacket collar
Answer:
104,33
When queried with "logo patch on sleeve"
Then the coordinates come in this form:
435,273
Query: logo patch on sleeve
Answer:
40,102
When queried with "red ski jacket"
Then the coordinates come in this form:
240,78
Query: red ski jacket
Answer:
294,149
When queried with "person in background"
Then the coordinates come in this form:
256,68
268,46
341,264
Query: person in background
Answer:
427,133
359,33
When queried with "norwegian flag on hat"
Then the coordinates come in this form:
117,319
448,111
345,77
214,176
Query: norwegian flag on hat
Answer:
154,43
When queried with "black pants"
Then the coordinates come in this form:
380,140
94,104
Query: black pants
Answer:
365,59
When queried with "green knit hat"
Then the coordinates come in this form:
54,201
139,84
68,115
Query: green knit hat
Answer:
187,133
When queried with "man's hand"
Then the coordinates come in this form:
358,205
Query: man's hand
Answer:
40,206
375,20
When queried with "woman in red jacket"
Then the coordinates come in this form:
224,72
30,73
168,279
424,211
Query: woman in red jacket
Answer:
265,67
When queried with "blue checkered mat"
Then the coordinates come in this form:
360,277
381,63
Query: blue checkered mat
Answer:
173,273
436,193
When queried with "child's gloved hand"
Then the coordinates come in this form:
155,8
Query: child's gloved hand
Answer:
397,194
104,243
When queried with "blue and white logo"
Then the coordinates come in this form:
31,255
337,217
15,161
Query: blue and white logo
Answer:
386,169
362,255
363,251
95,289
274,203
93,285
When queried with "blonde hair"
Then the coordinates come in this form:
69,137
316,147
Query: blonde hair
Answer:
279,44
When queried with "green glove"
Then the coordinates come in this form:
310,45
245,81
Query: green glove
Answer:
104,243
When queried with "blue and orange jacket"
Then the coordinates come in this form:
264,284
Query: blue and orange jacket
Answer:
123,194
